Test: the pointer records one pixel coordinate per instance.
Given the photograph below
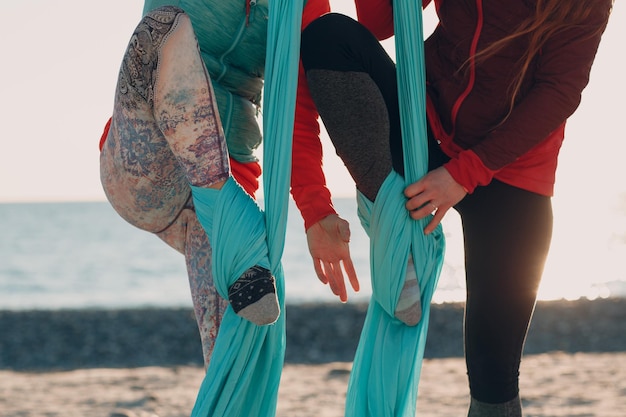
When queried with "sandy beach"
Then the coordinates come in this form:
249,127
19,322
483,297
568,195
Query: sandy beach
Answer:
50,365
553,384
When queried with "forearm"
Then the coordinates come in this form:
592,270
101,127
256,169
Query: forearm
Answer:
308,183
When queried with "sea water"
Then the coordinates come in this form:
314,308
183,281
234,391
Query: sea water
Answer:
83,255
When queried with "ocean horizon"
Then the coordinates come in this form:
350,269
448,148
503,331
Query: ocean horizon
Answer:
75,255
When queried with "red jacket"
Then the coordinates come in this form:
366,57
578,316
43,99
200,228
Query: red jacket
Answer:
465,108
308,184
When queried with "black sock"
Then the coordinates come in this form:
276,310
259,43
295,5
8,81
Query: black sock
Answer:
253,296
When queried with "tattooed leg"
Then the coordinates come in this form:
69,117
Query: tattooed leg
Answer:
186,111
184,107
209,307
140,173
143,179
166,135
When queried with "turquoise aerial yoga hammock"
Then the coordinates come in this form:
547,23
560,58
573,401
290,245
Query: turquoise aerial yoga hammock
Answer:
246,365
387,364
244,373
245,369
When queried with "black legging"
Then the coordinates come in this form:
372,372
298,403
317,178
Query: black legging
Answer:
507,230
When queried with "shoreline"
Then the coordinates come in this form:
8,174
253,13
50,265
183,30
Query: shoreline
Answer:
317,333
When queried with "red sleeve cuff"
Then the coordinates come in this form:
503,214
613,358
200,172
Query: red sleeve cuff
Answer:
314,203
469,171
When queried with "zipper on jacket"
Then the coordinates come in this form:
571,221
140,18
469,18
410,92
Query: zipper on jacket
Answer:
236,39
249,4
227,116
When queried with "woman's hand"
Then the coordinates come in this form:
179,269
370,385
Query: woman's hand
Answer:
436,192
328,242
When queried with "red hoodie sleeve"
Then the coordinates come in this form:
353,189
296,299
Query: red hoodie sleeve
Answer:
308,183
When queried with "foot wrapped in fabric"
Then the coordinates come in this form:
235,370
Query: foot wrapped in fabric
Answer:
253,296
235,226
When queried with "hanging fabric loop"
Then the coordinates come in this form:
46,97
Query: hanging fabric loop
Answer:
387,365
245,369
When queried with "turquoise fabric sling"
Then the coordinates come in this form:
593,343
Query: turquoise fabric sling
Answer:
246,365
387,365
245,369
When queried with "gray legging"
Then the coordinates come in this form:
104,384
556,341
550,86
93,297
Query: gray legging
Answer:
507,230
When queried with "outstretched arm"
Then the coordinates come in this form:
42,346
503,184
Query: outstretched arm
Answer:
328,235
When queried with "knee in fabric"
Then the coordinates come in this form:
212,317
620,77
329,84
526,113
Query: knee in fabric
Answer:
338,43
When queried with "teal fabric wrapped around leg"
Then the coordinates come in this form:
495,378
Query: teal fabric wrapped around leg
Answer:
387,365
238,231
245,368
244,373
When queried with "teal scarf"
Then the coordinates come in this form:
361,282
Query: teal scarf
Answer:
387,364
246,365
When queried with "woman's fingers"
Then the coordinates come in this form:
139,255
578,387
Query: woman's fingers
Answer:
335,279
332,273
434,222
319,271
351,272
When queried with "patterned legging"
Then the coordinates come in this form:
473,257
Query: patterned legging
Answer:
165,134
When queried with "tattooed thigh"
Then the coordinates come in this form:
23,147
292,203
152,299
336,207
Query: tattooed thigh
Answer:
186,110
141,176
163,72
138,72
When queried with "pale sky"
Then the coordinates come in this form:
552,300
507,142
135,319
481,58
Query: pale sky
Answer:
59,65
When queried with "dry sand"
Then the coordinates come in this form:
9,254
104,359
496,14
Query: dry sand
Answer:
553,385
147,362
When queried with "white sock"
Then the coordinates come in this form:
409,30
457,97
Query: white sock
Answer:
409,308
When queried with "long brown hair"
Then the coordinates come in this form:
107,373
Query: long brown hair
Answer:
550,17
